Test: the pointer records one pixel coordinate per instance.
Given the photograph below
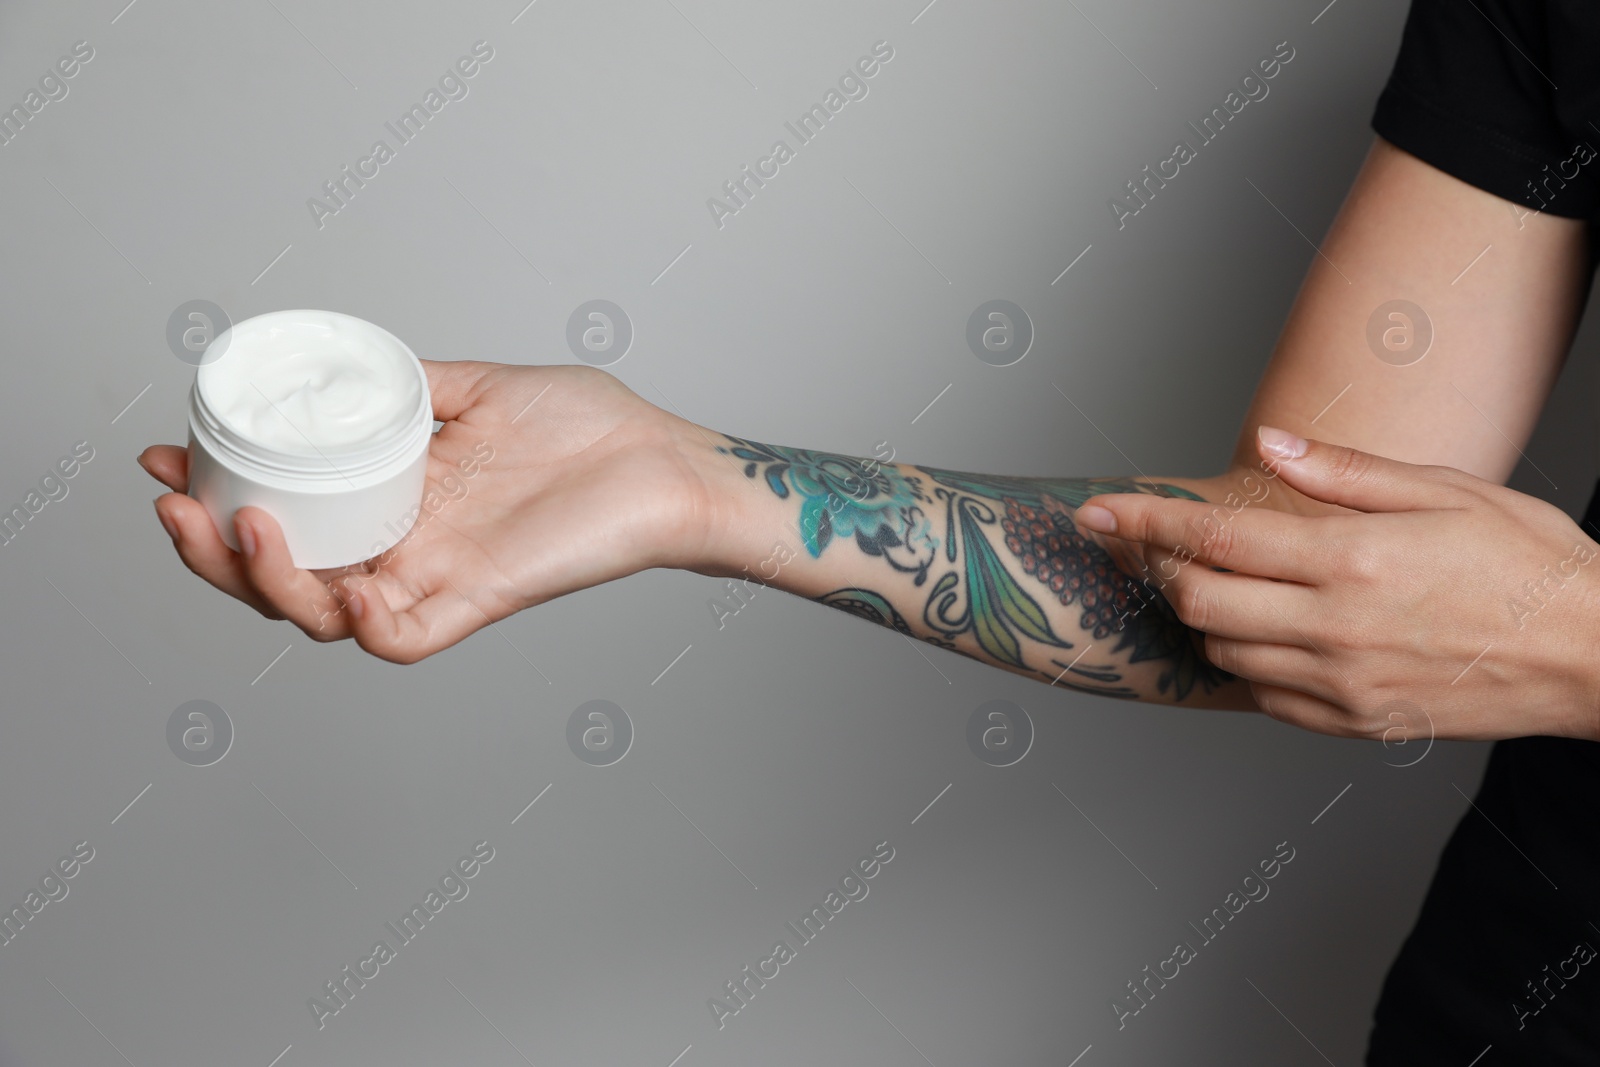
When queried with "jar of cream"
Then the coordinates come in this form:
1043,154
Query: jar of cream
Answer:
322,420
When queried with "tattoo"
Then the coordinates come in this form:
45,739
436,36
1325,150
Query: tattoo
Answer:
867,605
1105,679
842,496
993,528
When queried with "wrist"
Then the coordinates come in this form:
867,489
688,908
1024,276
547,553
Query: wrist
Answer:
719,523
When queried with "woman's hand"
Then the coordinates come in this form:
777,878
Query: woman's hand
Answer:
542,481
1442,604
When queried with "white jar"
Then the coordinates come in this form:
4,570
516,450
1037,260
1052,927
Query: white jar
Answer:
323,420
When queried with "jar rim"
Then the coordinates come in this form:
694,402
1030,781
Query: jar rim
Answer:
330,464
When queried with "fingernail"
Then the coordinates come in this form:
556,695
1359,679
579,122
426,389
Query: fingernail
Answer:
1096,518
1282,443
167,525
247,538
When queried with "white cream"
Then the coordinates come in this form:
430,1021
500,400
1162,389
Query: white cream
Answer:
311,382
321,419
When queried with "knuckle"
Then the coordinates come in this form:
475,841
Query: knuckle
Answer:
1135,518
1266,699
1455,478
1544,513
1220,543
1222,653
1350,465
1361,558
1349,722
404,656
1371,716
1370,725
385,647
1193,605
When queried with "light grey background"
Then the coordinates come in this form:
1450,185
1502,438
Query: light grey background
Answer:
828,313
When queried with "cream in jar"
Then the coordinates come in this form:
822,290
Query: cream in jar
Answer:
321,419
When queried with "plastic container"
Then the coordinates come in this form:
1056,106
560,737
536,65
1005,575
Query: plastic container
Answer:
321,419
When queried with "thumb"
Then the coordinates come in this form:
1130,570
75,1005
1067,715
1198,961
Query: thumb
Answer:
453,385
1351,478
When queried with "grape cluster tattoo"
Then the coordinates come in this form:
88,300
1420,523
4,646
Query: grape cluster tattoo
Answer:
994,528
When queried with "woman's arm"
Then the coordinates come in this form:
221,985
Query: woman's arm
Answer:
526,503
596,483
987,565
1501,288
1420,594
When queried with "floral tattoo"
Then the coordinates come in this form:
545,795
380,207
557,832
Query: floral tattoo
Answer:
998,532
843,497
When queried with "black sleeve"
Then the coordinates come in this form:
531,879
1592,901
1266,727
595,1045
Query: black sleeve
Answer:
1474,92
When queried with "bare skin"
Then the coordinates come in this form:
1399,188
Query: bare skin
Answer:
1411,558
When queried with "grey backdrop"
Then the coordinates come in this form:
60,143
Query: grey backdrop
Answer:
777,751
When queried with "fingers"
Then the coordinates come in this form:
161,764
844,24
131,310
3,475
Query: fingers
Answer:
1301,709
453,385
264,576
204,552
1360,480
297,595
167,464
1262,542
1238,606
434,623
1281,665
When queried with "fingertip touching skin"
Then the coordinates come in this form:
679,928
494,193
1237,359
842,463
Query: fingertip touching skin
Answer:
986,565
1430,589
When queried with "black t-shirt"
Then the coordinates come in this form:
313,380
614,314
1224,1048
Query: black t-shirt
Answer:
1502,964
1505,95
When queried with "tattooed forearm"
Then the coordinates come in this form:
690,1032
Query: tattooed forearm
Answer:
992,563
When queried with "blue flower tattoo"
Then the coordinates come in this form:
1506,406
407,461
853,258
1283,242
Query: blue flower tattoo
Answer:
844,497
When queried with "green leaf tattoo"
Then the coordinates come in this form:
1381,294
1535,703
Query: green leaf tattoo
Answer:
1039,532
995,528
997,609
868,605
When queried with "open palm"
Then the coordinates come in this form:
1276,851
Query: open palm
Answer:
542,481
